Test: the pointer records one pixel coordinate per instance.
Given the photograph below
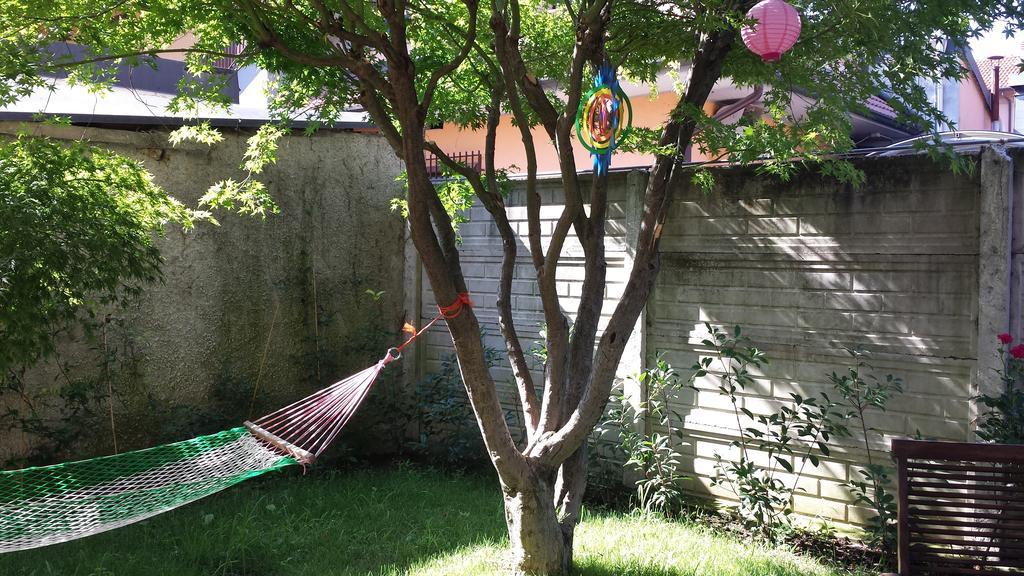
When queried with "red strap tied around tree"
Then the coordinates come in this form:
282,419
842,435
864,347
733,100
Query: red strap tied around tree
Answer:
446,313
455,308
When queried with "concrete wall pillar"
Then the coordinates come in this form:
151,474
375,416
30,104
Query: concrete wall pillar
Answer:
994,255
413,362
1017,249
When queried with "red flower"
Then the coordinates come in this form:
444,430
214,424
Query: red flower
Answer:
1017,351
1005,338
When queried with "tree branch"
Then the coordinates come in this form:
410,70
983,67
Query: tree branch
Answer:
490,197
557,336
430,228
374,37
155,52
371,102
706,69
464,328
268,37
435,77
589,46
508,38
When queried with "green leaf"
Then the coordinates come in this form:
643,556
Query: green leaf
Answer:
202,133
77,226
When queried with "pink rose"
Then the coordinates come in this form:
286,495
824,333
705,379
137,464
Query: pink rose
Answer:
1017,351
1005,338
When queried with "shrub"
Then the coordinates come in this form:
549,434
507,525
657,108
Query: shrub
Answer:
788,439
863,392
1003,423
645,438
448,426
75,234
76,244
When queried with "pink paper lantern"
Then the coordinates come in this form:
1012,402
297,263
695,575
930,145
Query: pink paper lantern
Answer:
777,29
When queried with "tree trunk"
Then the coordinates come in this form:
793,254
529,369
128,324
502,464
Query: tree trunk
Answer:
536,540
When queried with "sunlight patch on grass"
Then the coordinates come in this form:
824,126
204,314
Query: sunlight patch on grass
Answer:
631,545
615,544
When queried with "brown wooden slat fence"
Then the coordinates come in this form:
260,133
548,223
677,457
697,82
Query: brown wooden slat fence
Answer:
961,508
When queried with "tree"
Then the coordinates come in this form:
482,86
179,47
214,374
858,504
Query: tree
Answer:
412,63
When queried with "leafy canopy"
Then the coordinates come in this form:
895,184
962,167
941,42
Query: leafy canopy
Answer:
330,55
76,232
849,52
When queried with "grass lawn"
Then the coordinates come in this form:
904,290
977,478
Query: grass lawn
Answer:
384,522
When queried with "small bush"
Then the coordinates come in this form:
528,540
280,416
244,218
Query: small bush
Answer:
863,392
648,438
448,426
788,439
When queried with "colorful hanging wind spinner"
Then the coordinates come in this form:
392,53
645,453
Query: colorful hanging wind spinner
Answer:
604,118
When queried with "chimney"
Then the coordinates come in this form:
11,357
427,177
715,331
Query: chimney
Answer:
996,124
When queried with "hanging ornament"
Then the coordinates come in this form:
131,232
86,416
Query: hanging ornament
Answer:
604,118
777,29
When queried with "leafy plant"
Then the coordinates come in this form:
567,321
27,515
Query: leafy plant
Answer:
787,439
76,243
863,392
447,425
375,294
1003,423
538,350
250,195
75,234
648,438
456,196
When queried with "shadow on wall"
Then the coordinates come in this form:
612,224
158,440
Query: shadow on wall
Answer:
481,254
807,267
810,267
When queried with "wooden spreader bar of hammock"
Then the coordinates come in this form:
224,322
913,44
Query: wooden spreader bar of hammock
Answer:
301,456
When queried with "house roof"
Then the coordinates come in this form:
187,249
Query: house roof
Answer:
153,121
1009,72
981,71
879,106
141,97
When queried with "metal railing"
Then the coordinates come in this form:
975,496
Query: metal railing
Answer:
472,160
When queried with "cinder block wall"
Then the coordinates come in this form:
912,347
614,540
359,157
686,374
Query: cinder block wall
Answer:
810,266
913,267
481,253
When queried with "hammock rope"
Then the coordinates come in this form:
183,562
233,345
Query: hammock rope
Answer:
50,504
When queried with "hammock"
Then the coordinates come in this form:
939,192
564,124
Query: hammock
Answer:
51,504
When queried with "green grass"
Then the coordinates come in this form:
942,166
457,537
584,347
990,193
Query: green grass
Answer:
384,523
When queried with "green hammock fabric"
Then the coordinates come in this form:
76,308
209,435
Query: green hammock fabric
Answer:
49,504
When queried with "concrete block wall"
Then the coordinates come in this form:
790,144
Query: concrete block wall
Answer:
896,268
481,253
810,267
